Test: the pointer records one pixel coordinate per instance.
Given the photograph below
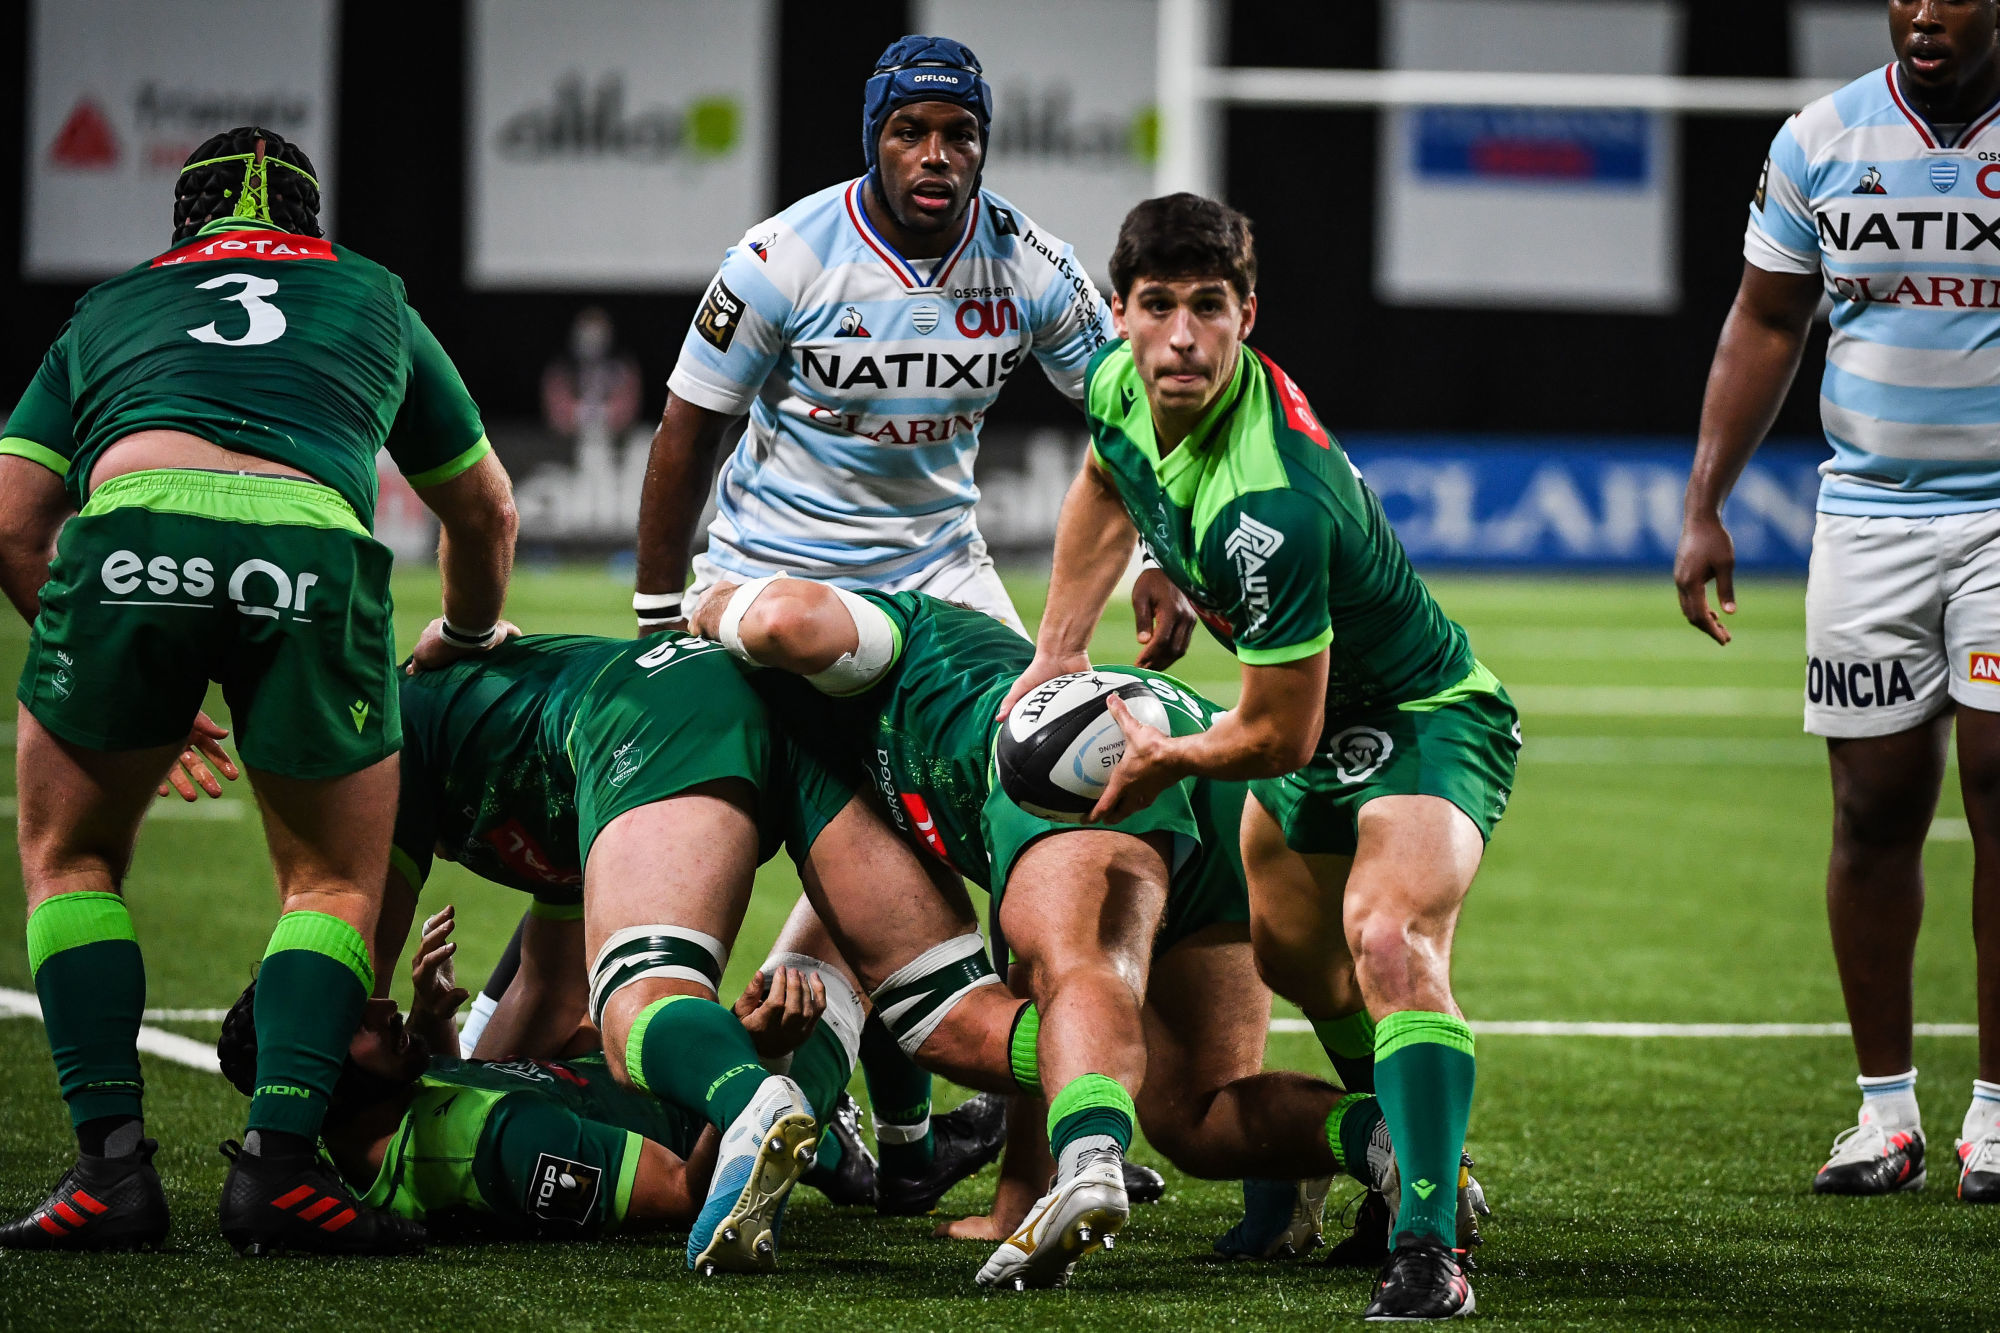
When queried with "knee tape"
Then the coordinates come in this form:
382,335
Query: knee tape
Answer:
916,999
874,649
639,952
843,1006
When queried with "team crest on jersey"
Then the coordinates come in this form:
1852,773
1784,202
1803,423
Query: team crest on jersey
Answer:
851,325
1944,175
1359,753
924,317
721,311
1871,182
624,763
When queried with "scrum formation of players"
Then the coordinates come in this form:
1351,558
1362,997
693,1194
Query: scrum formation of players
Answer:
189,483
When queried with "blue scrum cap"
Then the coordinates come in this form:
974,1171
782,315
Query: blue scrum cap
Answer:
922,69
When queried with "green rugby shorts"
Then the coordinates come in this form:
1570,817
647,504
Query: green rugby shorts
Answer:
1461,745
268,585
674,713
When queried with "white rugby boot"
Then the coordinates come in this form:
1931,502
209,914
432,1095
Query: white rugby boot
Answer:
1079,1216
764,1152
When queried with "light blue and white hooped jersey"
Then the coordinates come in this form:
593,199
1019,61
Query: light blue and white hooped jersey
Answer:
866,376
1905,233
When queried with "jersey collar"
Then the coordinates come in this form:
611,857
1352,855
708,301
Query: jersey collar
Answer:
237,224
1973,128
905,271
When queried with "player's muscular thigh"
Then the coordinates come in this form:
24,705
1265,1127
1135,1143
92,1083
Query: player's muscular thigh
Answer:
687,861
1296,931
882,904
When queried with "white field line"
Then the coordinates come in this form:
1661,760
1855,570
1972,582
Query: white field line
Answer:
169,1046
1559,644
1503,1029
1621,700
203,811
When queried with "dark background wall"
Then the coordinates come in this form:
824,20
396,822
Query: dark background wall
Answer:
1306,178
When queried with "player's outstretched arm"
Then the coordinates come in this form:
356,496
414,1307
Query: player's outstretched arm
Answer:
1273,729
1094,540
435,994
538,1017
1755,360
475,558
678,472
667,1191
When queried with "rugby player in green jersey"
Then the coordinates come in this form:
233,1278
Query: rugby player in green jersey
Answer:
214,415
537,1147
633,787
1132,940
1380,752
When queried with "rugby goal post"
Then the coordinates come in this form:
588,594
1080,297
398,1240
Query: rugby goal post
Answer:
1193,91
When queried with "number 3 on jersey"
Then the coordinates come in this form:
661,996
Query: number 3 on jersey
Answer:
267,322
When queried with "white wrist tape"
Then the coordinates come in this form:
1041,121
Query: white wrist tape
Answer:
657,605
729,633
874,649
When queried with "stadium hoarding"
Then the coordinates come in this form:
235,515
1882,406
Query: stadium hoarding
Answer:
122,92
1527,207
1075,127
1514,503
615,144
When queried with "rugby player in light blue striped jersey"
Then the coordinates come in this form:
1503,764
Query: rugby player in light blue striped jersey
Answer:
1884,198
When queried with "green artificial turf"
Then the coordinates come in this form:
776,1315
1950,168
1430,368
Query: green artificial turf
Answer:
1662,862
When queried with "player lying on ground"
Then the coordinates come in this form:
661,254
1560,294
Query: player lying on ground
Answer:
1903,594
866,331
215,415
1131,940
551,1149
1380,753
633,788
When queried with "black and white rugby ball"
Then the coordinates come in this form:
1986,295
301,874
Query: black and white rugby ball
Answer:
1060,742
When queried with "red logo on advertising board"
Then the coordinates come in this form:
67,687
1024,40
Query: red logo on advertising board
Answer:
524,856
924,825
243,245
1298,412
85,141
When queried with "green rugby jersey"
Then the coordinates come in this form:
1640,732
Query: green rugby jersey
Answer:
1261,520
288,347
491,778
543,1145
923,735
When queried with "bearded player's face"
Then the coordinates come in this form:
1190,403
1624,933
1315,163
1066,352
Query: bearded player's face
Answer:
930,155
1186,334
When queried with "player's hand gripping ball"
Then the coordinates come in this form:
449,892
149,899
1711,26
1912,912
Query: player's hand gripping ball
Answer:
1060,742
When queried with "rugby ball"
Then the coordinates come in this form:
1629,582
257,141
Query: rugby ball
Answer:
1059,743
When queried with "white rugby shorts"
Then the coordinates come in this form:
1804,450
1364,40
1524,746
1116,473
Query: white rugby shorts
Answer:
966,577
1902,619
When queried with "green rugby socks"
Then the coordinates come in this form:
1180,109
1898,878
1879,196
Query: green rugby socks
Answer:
1423,1077
1350,1043
694,1053
91,979
1091,1112
1352,1122
900,1094
310,991
1022,1053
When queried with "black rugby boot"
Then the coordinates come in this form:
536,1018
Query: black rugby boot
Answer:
298,1202
850,1184
101,1203
1422,1280
964,1140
